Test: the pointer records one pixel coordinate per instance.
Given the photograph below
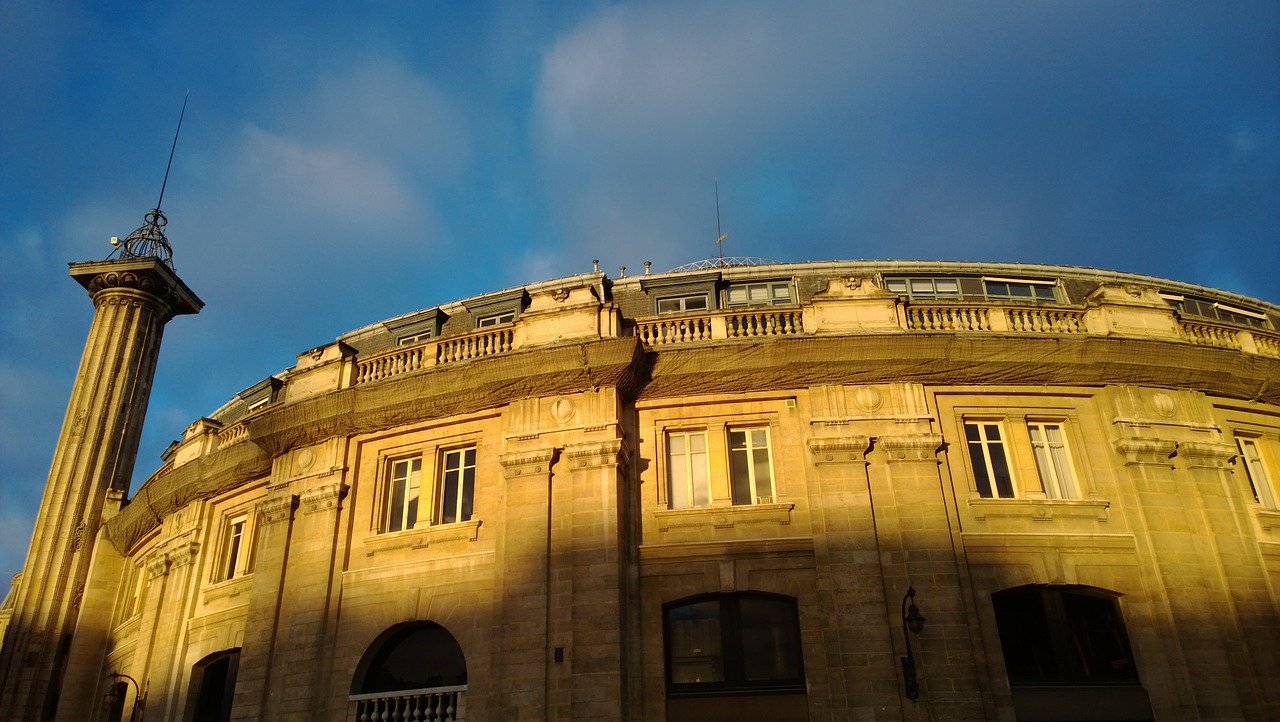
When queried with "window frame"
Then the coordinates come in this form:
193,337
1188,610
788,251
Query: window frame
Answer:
733,641
464,493
392,498
688,471
1034,287
770,288
1256,471
1058,477
751,466
682,301
236,547
989,476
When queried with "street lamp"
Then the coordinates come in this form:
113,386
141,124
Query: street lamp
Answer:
912,623
114,698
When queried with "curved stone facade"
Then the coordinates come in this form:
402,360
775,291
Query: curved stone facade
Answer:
704,495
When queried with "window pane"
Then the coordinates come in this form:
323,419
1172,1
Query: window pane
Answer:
770,641
1099,647
687,481
694,643
947,286
695,303
1024,636
922,285
739,468
897,285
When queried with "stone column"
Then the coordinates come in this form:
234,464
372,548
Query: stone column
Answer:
96,450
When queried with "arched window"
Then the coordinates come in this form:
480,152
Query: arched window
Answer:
734,656
213,684
1067,653
412,668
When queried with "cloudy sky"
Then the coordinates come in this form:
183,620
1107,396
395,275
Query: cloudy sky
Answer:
341,163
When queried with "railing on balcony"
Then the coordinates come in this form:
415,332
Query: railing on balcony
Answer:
948,318
432,704
729,324
1205,334
430,353
1045,320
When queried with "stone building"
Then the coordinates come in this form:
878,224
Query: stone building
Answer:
740,491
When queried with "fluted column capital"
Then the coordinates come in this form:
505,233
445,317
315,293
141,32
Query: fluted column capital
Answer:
139,277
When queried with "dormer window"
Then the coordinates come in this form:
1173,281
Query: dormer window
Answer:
681,304
1188,306
766,293
415,327
924,287
1020,289
497,308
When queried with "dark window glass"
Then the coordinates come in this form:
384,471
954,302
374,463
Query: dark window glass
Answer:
732,643
417,655
1063,636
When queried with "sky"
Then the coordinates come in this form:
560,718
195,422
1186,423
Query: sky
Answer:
341,163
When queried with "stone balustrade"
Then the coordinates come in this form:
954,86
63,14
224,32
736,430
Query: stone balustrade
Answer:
432,704
937,316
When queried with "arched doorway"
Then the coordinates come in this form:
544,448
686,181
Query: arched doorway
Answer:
213,684
414,670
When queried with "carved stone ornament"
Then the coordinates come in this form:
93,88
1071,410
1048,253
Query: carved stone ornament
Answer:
596,454
562,410
912,447
1164,404
1206,455
560,295
270,511
855,283
1146,451
838,449
526,463
128,279
323,498
868,398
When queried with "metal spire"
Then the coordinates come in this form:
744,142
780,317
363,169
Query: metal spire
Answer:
149,241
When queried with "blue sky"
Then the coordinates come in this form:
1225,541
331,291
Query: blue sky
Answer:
341,163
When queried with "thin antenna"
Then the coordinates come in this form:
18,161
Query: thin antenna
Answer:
173,148
149,241
719,236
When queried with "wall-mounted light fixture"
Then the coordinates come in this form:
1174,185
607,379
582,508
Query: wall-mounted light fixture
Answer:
114,698
912,623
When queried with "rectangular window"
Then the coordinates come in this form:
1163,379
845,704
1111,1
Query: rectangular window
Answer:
925,287
989,459
403,487
234,558
495,319
1052,460
750,466
680,304
415,338
1019,289
457,484
772,293
687,474
1260,482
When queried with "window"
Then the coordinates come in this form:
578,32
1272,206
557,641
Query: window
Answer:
495,319
457,484
414,670
1052,460
679,304
750,466
1019,289
923,287
235,556
987,455
733,643
213,685
414,338
687,474
1063,636
772,293
402,494
1216,311
1259,481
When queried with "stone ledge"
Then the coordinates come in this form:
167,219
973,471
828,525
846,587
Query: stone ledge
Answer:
723,517
422,538
1008,541
1040,509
